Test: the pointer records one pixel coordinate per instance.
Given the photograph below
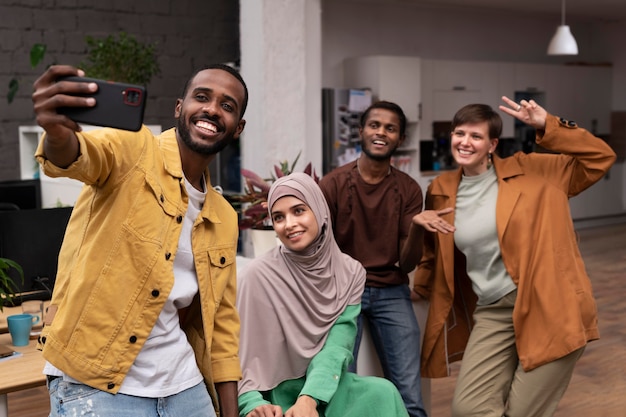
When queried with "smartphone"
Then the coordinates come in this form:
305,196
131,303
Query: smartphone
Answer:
6,351
118,105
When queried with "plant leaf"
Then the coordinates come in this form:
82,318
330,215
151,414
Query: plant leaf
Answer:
279,171
308,169
255,180
37,52
8,287
295,161
14,85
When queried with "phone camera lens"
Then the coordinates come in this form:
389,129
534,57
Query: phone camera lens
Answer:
132,97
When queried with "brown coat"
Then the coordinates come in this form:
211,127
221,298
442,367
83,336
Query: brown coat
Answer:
555,312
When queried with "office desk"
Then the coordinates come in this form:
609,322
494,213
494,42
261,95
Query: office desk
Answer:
19,373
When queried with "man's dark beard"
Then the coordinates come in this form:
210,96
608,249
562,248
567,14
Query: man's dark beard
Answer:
383,157
200,148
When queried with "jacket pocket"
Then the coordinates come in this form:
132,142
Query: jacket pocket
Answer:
222,264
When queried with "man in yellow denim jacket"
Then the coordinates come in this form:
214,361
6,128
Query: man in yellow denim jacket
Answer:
118,264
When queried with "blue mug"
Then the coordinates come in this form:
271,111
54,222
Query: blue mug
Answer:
19,327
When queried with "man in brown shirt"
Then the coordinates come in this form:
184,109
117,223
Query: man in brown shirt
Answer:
372,206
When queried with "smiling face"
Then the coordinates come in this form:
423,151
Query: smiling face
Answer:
294,223
208,117
380,134
471,145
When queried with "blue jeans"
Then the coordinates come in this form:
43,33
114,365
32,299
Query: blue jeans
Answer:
396,337
69,399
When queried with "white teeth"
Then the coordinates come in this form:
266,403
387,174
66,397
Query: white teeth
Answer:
379,142
205,125
463,152
292,235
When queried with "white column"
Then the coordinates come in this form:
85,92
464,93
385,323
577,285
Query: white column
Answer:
281,64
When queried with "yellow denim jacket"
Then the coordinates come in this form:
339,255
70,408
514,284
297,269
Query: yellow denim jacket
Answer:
116,263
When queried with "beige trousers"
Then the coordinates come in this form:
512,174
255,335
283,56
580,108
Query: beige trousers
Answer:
492,382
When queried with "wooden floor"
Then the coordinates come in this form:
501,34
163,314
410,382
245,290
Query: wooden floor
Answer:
598,387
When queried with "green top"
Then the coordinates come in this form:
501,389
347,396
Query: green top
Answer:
323,373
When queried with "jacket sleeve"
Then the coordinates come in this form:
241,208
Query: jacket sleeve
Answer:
105,155
225,344
584,159
249,401
422,280
328,366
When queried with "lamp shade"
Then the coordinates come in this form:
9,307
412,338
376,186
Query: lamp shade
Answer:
563,42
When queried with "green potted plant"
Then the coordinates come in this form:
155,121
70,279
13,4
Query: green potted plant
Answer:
121,58
8,286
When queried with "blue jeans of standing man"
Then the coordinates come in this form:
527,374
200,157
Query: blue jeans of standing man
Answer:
396,337
68,400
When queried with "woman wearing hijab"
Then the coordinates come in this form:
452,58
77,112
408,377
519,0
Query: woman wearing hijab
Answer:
298,305
501,267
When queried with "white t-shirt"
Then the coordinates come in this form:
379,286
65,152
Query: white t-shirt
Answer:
166,364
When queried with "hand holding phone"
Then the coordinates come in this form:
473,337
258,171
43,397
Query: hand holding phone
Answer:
118,105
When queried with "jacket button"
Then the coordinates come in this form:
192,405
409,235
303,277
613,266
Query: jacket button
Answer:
133,339
155,293
222,260
168,255
110,385
179,219
42,339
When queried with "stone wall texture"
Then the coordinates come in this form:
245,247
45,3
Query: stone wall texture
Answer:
189,34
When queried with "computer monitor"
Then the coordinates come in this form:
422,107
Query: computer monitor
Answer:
25,194
33,238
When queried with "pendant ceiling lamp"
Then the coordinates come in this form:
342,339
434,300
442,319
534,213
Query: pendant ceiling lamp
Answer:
563,42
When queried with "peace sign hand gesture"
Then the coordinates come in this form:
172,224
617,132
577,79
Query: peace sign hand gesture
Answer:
526,111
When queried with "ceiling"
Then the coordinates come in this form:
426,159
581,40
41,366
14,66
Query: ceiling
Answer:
610,10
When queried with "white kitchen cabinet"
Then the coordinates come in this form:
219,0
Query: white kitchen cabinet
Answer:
457,75
445,103
446,87
583,95
391,78
476,82
531,77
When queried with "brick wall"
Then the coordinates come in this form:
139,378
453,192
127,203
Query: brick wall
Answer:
189,34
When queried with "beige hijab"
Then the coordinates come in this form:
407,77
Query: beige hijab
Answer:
288,301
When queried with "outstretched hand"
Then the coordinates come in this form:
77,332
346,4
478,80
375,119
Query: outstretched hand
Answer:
526,111
432,221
